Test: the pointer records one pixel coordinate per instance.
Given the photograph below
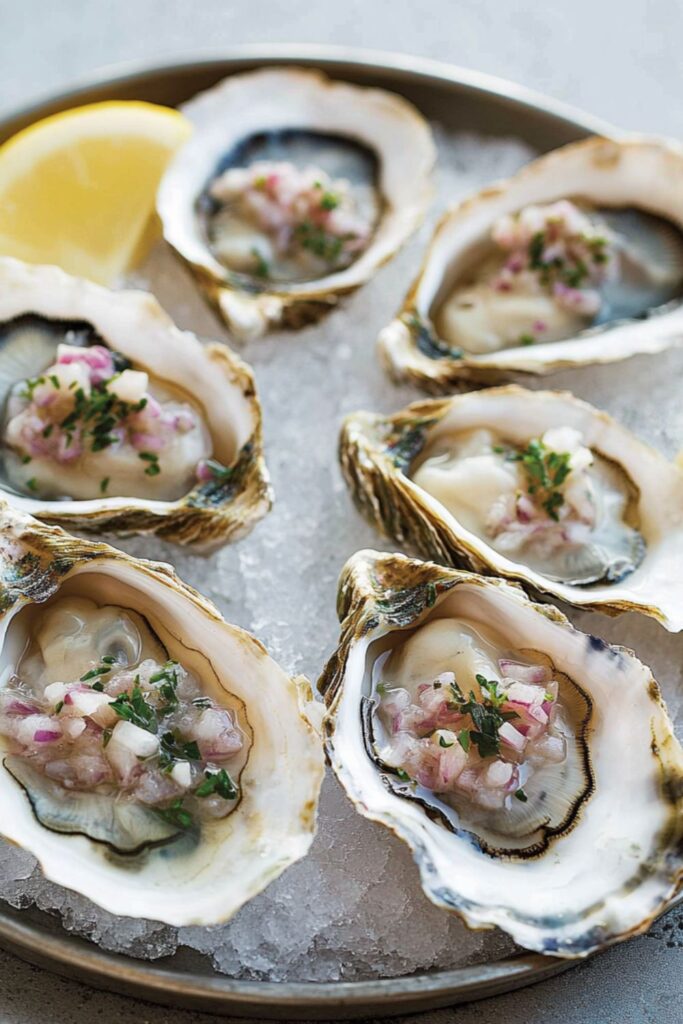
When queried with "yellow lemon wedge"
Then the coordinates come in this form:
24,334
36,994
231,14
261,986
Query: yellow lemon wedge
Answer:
77,189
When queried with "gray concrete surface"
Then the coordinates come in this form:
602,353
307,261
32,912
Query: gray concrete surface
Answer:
618,60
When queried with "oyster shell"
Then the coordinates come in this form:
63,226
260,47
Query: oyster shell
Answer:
364,139
468,320
41,307
593,854
427,479
116,851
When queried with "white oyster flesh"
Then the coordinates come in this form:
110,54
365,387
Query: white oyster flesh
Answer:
82,427
576,259
113,418
558,268
292,190
553,503
153,757
281,222
489,735
110,738
536,486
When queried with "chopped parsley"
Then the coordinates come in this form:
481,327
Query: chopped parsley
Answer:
218,470
173,748
153,467
168,678
485,714
132,707
527,339
443,742
321,243
546,471
262,267
574,271
329,201
95,416
32,484
94,673
104,483
176,814
520,795
219,783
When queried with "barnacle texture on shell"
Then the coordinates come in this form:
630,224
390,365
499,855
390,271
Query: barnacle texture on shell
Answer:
152,757
536,486
576,259
292,191
115,420
532,769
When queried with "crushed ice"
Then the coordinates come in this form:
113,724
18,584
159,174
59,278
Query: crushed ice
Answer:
353,908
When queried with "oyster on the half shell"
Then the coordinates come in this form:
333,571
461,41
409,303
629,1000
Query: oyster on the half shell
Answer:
113,419
536,486
576,259
292,190
531,768
153,757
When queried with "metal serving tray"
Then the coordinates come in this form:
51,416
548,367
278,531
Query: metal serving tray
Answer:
460,100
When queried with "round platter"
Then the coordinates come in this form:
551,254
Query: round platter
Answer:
459,100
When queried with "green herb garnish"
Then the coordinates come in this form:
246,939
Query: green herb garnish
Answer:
321,243
218,470
262,267
464,739
545,470
173,748
101,670
485,714
329,201
217,782
153,467
133,707
176,814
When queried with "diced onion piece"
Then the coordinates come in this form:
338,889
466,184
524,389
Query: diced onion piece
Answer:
508,734
138,741
55,692
182,774
129,386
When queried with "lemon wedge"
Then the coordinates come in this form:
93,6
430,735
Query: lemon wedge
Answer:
77,189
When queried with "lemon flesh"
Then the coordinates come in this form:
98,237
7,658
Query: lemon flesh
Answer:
77,189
